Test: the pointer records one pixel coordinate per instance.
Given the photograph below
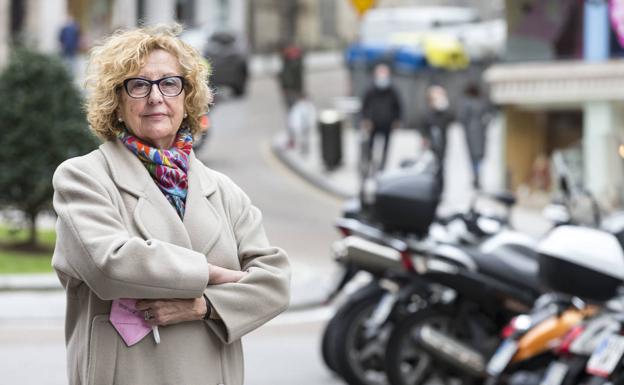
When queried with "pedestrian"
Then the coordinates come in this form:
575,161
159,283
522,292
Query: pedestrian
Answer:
69,39
150,242
438,118
301,121
291,73
381,113
475,116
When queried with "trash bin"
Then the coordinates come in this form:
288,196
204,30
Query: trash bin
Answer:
330,127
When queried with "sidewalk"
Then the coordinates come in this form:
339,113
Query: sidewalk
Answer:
405,144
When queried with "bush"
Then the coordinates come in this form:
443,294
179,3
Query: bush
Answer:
42,124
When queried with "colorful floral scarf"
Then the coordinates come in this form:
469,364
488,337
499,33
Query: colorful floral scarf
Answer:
168,168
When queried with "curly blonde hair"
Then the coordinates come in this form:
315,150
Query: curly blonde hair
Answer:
123,54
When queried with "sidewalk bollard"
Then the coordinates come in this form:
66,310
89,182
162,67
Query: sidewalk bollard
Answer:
330,127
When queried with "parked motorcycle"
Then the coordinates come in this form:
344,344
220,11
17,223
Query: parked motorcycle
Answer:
354,346
600,275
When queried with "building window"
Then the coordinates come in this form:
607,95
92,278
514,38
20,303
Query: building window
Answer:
141,11
17,19
185,12
327,15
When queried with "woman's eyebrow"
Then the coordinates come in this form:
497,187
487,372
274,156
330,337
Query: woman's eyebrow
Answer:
166,74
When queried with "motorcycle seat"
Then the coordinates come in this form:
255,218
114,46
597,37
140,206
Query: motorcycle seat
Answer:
513,264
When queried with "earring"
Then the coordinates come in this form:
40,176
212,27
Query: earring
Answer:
185,115
120,120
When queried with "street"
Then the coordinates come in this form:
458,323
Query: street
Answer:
297,217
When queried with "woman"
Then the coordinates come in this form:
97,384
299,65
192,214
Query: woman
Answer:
142,219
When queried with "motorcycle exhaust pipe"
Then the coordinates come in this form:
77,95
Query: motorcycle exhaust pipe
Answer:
367,255
451,351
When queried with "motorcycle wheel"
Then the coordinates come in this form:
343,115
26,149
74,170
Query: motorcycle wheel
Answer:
406,363
358,358
328,348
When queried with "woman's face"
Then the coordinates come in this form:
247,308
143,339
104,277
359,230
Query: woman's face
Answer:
155,118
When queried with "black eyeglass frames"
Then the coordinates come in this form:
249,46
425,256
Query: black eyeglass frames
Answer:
139,88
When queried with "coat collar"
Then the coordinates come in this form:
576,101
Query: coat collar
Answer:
154,215
129,173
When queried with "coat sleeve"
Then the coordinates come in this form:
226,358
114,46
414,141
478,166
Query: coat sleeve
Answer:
365,111
265,291
94,246
398,110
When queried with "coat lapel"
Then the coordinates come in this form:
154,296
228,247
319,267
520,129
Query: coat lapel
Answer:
201,220
154,215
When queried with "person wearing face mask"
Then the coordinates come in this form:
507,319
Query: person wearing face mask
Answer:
381,113
475,115
437,120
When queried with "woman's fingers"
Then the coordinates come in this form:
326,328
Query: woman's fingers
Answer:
172,311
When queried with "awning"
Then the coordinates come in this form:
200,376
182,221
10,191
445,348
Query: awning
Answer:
557,82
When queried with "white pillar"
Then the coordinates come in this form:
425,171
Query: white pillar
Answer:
159,11
208,14
4,32
238,16
600,151
495,164
124,14
44,20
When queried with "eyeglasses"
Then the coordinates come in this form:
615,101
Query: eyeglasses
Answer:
139,88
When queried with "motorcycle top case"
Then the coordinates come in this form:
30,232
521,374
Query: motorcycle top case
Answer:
581,261
406,200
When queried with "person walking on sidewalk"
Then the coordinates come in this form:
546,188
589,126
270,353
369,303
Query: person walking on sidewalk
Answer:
437,120
381,113
291,74
69,39
150,238
301,122
475,116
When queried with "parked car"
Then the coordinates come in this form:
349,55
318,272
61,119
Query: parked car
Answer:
227,54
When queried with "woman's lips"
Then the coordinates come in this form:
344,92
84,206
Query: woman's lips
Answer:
155,116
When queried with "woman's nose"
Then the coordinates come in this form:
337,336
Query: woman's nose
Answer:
155,96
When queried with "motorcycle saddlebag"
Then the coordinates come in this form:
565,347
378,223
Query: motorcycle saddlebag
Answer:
582,262
406,200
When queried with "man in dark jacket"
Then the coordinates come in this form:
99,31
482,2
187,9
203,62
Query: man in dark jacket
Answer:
381,112
291,74
437,121
475,116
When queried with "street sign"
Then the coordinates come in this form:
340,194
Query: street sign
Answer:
361,6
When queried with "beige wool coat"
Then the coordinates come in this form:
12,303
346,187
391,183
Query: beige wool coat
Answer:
119,237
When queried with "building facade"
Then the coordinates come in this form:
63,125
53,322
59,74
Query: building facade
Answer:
557,93
313,24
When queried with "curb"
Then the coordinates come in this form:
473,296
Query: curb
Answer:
312,178
29,282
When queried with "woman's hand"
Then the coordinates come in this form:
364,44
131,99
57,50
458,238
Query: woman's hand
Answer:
219,275
172,311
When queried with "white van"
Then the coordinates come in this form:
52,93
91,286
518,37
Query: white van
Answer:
379,25
408,26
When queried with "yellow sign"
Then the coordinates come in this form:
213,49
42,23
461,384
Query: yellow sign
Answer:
361,6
